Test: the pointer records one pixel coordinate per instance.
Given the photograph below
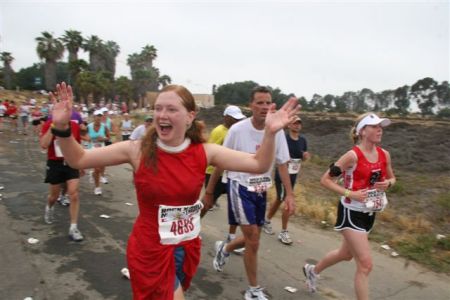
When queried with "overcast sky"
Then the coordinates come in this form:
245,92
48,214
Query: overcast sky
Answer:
304,47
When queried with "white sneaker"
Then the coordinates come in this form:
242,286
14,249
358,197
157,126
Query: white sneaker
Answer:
239,251
104,180
311,277
267,228
220,258
255,294
98,191
284,237
75,235
49,214
64,200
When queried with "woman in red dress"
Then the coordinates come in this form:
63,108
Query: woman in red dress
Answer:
169,165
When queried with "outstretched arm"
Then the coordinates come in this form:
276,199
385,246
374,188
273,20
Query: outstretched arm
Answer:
74,154
262,160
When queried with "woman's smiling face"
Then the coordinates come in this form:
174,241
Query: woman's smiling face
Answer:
172,119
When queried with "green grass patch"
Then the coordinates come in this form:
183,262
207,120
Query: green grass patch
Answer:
427,250
444,200
317,160
398,188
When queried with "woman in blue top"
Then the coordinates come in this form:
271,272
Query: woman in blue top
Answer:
98,133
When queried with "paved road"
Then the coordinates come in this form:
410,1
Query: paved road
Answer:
56,268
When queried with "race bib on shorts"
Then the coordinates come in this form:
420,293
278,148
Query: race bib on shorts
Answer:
294,165
179,223
58,151
259,184
376,200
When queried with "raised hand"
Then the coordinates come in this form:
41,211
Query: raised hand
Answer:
278,119
62,105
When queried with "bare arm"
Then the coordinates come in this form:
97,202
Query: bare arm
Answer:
46,139
390,177
286,181
74,154
208,197
346,161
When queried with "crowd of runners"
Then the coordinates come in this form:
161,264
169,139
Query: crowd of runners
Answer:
172,162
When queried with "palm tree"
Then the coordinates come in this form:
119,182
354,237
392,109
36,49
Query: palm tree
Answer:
8,72
94,45
164,80
148,55
73,41
135,62
50,49
112,50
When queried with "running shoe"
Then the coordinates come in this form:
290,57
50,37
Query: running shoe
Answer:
75,235
104,180
284,237
98,191
255,294
311,277
49,214
267,228
239,251
65,200
220,258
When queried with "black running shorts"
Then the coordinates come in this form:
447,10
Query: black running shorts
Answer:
58,172
352,219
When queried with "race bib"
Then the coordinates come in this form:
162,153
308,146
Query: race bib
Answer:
259,184
58,151
179,223
294,165
376,200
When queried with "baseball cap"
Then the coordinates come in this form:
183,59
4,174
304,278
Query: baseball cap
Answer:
234,112
297,119
98,113
372,119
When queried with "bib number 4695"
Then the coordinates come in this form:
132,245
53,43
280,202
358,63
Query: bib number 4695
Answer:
182,226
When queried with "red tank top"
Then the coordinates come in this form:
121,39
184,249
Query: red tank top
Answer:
359,176
178,181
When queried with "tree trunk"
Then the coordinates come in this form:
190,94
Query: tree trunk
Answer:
50,74
8,72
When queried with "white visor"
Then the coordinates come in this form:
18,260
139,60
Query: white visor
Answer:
372,119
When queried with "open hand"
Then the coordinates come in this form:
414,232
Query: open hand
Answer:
289,204
278,119
62,105
381,185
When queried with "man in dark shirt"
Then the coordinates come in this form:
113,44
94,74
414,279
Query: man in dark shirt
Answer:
298,151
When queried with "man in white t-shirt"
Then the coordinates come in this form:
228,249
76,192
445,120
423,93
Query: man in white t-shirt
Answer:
247,195
140,131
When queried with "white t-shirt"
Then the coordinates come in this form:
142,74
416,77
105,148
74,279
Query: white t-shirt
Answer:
24,110
244,137
126,127
138,132
2,110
